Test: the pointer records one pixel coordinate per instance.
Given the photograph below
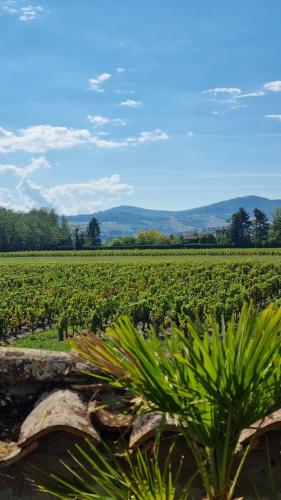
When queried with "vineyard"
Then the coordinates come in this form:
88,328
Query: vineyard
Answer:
148,252
91,296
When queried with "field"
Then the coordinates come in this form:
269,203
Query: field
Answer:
55,293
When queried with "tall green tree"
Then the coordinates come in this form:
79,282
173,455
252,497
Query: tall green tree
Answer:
276,225
65,233
240,228
150,237
94,232
39,229
78,238
260,227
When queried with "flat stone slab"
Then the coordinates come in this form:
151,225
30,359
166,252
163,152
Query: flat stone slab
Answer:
59,410
38,365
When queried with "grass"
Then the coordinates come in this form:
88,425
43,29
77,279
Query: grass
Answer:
43,340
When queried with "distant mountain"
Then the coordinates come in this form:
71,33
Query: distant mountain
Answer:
127,220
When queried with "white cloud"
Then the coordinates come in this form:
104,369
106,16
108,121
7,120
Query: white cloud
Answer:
24,13
41,138
106,144
30,12
120,70
153,135
124,92
143,137
234,104
230,97
236,93
274,86
223,90
119,121
10,7
71,198
95,83
130,103
100,121
257,93
274,117
10,199
22,172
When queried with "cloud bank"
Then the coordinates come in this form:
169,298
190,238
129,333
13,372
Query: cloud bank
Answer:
43,138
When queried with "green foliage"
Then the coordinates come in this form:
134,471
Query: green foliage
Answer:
123,241
151,237
144,252
35,230
65,239
260,227
82,296
99,474
79,239
207,238
276,225
93,232
217,380
240,226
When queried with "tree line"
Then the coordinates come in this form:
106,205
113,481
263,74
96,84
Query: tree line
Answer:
43,229
242,230
256,230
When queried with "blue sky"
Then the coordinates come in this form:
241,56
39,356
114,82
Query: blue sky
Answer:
161,104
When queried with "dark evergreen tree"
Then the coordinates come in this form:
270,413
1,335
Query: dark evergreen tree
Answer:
78,238
240,228
260,227
93,232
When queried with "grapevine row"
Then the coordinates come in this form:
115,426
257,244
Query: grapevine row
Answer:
147,252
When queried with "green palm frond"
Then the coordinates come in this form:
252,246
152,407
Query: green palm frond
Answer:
100,475
218,379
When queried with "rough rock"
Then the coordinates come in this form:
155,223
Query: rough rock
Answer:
37,365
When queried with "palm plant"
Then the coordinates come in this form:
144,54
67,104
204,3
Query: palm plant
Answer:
99,474
216,381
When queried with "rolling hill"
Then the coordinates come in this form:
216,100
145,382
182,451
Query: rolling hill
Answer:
127,220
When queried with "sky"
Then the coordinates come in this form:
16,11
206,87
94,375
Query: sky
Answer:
159,104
